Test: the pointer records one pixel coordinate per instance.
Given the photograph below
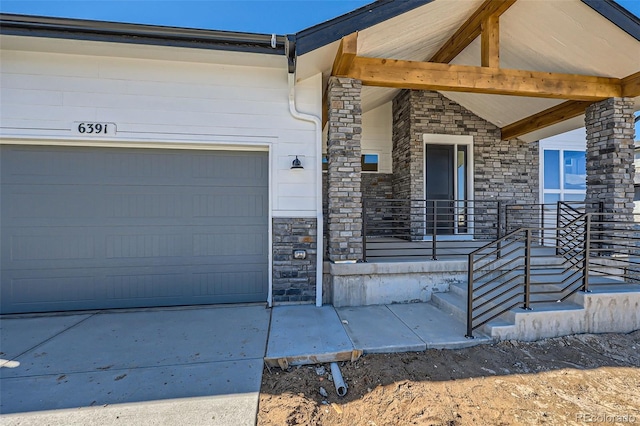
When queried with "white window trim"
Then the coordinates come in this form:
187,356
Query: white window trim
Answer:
561,146
430,138
455,140
377,154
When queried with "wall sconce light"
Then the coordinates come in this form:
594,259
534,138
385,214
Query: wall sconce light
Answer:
296,164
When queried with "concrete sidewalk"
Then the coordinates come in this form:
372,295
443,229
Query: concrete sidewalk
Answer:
200,365
307,334
190,365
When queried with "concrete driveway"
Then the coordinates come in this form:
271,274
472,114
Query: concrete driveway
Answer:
198,365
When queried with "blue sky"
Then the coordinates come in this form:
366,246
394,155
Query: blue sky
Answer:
261,16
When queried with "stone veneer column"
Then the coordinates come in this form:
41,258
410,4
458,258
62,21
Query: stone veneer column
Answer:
294,280
344,174
610,149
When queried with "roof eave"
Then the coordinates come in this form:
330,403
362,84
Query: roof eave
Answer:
327,32
79,29
618,15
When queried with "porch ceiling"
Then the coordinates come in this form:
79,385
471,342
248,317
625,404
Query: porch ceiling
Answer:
551,36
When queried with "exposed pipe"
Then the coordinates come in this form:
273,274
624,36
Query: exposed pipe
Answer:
319,224
338,381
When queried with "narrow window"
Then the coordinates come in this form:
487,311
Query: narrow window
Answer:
369,162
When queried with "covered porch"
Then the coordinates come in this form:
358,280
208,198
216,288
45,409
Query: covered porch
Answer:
443,149
452,204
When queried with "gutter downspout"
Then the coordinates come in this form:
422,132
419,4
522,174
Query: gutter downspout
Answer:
290,52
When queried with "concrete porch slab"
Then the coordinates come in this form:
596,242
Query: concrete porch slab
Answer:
438,329
306,334
376,329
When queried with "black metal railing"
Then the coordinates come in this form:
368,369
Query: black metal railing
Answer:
428,229
517,270
613,243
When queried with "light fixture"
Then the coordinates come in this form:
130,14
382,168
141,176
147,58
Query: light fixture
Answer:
296,164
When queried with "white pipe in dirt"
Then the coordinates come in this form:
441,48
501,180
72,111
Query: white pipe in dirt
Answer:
338,381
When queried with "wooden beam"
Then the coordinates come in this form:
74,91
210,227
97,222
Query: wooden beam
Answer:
470,30
346,54
631,85
490,42
548,117
461,78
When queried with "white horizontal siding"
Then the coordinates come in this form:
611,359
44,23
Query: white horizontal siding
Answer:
163,101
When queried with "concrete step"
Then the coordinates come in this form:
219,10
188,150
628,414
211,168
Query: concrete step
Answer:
455,304
542,321
451,303
582,312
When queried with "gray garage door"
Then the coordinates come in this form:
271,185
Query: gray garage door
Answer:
87,228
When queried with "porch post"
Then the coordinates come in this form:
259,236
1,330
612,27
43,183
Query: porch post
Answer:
610,170
344,174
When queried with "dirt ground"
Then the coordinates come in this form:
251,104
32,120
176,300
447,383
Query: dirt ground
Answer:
582,379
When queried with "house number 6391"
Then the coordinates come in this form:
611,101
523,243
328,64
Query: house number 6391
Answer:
97,129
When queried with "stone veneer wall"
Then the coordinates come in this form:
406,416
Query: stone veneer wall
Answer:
344,174
377,186
404,148
610,156
503,170
294,280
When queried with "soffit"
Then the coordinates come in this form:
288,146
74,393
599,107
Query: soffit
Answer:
140,51
542,35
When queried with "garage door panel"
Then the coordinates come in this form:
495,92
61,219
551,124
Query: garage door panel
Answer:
232,205
59,247
96,239
222,167
161,286
25,248
49,202
83,204
29,165
51,288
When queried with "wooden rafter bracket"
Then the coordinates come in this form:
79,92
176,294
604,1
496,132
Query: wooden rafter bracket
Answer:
548,117
490,42
630,86
347,52
470,30
342,63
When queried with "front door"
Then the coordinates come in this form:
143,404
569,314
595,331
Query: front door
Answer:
440,188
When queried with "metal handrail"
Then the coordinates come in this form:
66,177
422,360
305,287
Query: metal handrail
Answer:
591,243
435,228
